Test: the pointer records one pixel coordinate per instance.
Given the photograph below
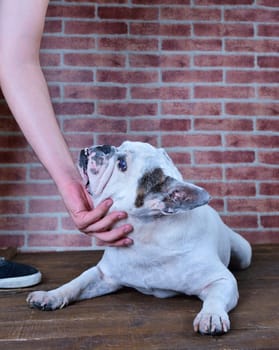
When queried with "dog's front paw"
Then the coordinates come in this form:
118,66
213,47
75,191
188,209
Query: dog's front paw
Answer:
46,301
212,323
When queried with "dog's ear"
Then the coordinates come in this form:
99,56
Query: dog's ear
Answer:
160,194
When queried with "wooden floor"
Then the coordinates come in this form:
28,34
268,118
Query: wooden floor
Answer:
130,320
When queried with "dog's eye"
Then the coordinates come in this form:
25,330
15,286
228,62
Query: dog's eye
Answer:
122,164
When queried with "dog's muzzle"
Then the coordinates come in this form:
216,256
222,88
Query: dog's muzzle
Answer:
99,152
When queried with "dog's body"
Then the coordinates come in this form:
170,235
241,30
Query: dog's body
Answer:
180,244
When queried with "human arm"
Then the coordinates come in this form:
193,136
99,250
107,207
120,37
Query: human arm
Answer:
25,90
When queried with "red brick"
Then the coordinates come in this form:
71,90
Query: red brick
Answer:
94,92
73,108
185,108
175,61
90,125
192,44
190,14
53,26
268,124
252,109
39,173
18,157
127,109
129,13
54,91
154,28
231,189
224,61
270,189
270,221
224,157
50,59
261,236
180,157
224,2
268,62
4,109
72,43
77,141
27,189
13,173
269,157
127,77
94,60
46,206
253,205
224,92
91,27
201,173
15,141
12,240
271,3
268,30
223,124
255,141
251,173
8,124
146,60
269,92
59,240
68,75
116,139
245,45
160,125
71,11
164,93
12,206
241,221
191,140
251,15
128,44
188,76
29,223
223,30
218,204
162,2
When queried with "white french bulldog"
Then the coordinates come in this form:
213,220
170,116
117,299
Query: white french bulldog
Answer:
180,244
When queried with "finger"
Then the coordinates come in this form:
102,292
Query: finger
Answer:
105,223
85,220
124,242
113,235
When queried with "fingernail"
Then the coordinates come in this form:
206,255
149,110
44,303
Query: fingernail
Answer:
108,202
128,242
128,229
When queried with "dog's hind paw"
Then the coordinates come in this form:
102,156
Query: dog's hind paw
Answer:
211,323
46,301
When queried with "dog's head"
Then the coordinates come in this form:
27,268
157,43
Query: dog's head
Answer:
139,178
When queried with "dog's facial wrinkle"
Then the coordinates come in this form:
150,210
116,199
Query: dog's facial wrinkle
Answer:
151,181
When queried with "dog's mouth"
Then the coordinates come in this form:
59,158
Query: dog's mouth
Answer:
96,166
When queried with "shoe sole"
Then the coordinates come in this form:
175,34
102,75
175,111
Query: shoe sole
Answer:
20,282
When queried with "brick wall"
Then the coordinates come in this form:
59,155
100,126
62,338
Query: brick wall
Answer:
198,77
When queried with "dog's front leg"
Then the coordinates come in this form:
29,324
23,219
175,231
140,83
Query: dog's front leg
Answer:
89,284
219,297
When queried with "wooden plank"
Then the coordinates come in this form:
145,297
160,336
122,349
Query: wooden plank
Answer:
130,320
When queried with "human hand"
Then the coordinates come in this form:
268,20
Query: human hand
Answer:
95,221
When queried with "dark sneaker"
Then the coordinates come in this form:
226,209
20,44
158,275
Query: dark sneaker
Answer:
16,275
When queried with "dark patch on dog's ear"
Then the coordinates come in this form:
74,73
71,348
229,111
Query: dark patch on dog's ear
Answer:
160,194
151,181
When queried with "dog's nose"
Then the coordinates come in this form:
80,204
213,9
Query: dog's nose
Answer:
106,149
